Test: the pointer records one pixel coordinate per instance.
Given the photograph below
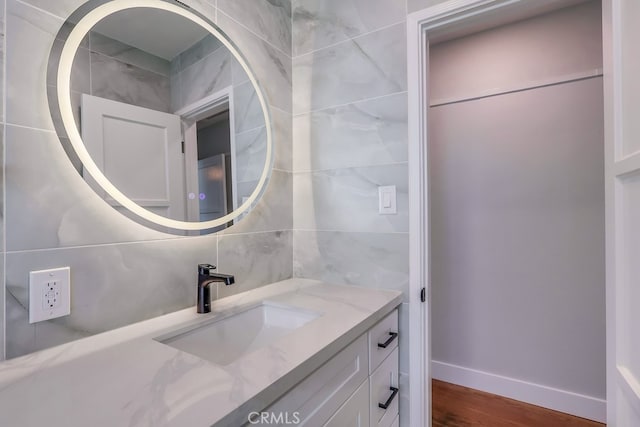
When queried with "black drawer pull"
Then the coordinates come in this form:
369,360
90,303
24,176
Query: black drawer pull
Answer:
392,336
385,405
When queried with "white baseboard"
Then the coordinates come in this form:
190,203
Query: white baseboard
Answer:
559,400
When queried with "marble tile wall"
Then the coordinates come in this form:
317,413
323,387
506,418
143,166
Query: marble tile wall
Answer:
350,136
52,218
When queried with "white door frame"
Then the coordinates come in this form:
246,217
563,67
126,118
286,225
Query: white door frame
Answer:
623,384
190,114
419,25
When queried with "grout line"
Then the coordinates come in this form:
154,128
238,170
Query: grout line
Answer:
273,107
312,171
30,128
251,130
46,12
97,245
346,104
351,39
138,242
129,63
255,34
306,230
248,233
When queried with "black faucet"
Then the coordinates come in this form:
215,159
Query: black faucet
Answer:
206,276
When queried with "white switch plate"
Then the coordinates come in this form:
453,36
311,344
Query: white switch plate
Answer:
387,200
49,294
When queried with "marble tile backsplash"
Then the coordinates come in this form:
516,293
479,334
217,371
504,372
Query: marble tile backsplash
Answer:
350,133
375,129
271,66
377,260
53,219
48,203
361,68
346,199
113,285
318,24
256,258
29,36
270,20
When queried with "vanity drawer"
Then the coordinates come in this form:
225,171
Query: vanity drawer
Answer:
320,395
355,411
384,392
383,339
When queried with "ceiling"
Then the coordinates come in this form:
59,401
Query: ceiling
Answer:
155,31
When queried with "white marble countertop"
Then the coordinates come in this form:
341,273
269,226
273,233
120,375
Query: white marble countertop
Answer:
126,378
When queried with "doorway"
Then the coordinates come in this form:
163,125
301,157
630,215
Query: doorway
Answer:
210,149
525,194
516,172
215,178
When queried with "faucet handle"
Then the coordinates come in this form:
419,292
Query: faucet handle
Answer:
205,269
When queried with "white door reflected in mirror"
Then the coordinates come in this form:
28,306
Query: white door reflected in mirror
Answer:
144,153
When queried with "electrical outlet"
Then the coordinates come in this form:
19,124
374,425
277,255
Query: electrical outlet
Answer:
49,294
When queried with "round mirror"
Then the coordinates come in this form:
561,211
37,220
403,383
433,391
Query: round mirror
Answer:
160,114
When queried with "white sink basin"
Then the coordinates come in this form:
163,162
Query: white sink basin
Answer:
228,339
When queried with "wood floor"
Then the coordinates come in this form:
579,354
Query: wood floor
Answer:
455,406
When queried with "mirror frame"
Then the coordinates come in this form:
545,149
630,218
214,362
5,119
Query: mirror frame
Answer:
85,19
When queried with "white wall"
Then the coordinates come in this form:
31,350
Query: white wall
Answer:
517,199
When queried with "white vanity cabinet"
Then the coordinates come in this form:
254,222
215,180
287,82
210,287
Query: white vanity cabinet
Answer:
383,385
383,368
355,411
350,388
318,397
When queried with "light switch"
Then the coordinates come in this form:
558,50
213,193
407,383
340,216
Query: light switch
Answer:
49,294
387,200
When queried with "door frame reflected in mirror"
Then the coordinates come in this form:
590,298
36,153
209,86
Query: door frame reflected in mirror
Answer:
209,106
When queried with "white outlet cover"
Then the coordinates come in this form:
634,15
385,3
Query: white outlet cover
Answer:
49,294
